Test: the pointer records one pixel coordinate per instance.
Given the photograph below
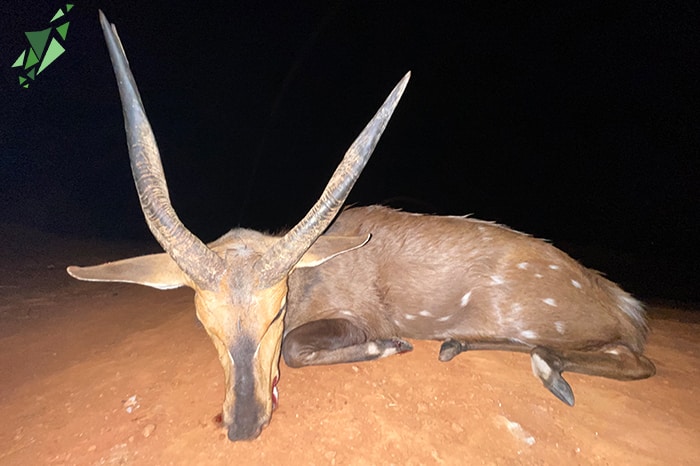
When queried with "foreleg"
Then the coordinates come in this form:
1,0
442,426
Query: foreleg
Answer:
333,341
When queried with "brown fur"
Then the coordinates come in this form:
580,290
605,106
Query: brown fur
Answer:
417,263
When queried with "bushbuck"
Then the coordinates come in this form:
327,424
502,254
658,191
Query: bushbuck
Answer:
355,288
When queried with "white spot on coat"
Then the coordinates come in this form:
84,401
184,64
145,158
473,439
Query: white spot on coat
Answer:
554,267
497,280
409,317
528,334
426,313
576,284
550,302
465,299
523,265
516,307
444,319
560,326
347,313
538,275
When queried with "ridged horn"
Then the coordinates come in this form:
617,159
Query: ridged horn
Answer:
201,264
286,252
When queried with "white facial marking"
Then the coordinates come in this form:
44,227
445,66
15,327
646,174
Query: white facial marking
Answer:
560,326
540,367
523,265
538,275
550,302
465,299
554,267
409,317
576,284
497,280
426,313
444,319
528,334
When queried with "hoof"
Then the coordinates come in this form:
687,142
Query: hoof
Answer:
393,346
547,368
402,346
449,350
561,389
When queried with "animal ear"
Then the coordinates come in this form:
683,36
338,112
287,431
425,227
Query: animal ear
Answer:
327,247
155,270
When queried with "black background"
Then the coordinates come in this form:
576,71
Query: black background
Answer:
577,122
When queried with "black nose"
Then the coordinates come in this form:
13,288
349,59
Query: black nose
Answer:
237,432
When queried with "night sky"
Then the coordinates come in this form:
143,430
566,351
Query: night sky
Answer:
579,123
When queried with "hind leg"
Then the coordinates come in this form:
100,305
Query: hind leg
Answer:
612,361
546,364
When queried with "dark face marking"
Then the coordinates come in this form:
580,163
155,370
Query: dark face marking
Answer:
248,411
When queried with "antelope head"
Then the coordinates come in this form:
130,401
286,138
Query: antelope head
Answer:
240,280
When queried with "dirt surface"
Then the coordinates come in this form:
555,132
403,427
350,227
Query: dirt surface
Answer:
120,374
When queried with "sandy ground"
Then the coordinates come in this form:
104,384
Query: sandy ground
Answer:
120,374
